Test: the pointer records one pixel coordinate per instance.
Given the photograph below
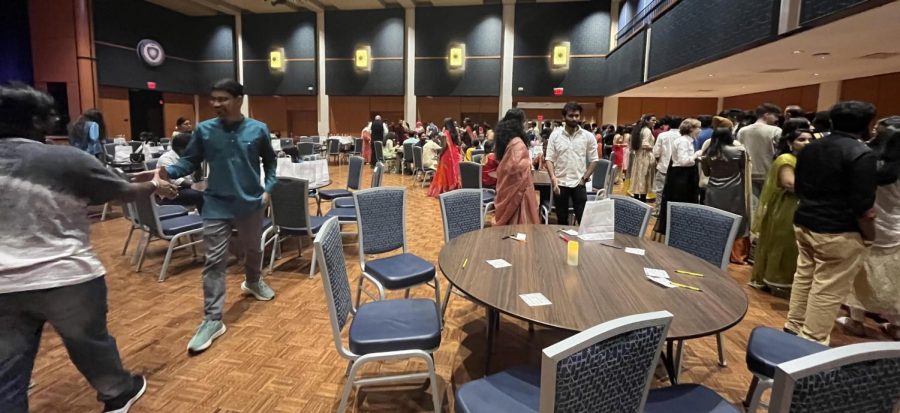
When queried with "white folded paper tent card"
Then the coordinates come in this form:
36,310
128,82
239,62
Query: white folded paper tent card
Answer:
598,221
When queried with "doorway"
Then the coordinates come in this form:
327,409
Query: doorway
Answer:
146,109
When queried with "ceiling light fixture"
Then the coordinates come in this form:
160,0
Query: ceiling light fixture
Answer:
798,51
710,75
815,74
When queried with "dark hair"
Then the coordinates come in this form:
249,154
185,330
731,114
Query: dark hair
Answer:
514,114
450,125
822,121
886,146
229,86
504,133
571,107
180,121
489,146
852,116
77,133
145,136
180,142
791,129
767,108
636,131
20,105
705,121
794,111
721,137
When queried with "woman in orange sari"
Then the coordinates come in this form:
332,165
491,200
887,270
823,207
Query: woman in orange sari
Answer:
367,142
447,176
514,202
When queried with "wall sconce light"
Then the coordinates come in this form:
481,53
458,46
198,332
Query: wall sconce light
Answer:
456,58
361,59
560,55
276,60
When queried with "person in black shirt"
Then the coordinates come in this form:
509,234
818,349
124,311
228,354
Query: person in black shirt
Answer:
835,183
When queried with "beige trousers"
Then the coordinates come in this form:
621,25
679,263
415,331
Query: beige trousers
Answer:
826,267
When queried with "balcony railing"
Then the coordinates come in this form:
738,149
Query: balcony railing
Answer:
643,17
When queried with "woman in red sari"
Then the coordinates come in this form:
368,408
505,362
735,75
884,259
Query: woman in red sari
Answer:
514,202
447,176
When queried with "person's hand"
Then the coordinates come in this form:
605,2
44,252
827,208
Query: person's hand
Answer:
162,173
555,188
144,176
266,199
166,189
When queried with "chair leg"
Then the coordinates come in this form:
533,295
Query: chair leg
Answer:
103,214
165,266
193,246
446,302
359,287
721,345
755,393
272,256
140,247
140,262
312,266
348,386
435,396
128,240
406,294
678,352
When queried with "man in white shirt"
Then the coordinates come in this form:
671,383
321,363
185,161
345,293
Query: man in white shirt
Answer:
571,159
662,151
430,152
760,139
187,196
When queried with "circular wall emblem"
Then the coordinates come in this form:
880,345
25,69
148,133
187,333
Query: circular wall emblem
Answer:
151,52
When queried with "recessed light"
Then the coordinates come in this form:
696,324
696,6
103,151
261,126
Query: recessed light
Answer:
710,75
798,51
665,87
815,74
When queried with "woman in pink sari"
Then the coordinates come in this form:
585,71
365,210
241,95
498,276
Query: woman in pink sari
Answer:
514,202
447,176
367,143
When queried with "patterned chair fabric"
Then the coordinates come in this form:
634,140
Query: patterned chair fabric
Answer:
631,215
871,386
306,148
354,175
610,375
290,206
601,175
470,174
381,219
357,146
702,231
334,268
461,212
334,147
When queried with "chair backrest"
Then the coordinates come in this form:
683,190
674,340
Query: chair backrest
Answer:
861,377
702,231
357,145
378,148
476,157
381,218
330,253
354,174
461,212
110,149
287,142
135,145
290,207
377,174
606,368
470,174
632,215
306,148
148,214
150,164
128,209
315,139
417,158
600,178
477,152
334,147
408,152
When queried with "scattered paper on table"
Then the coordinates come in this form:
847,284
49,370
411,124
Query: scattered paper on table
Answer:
499,263
535,299
571,232
635,251
661,281
655,273
598,221
519,237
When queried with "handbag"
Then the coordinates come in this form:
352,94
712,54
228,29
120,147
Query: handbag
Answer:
137,157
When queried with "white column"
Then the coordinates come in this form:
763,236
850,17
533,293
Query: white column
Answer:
789,16
615,9
322,101
720,105
506,72
197,119
238,30
409,94
610,110
829,94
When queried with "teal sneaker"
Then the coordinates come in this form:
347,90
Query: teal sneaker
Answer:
208,331
260,290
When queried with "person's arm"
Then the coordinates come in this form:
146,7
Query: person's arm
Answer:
704,165
657,148
269,161
99,185
646,138
786,178
862,193
190,161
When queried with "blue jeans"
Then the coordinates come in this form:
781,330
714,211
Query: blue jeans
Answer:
78,314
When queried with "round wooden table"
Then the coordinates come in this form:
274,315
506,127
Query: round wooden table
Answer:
608,283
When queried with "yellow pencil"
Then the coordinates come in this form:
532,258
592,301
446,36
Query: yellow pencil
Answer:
688,287
695,274
465,262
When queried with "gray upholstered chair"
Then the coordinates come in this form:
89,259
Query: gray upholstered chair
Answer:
460,213
354,180
377,175
334,149
600,179
707,233
470,177
606,368
380,330
172,230
419,166
632,215
290,217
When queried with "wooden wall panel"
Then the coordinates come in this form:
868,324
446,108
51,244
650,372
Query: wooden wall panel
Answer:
53,48
435,109
113,103
631,109
883,91
177,105
278,112
805,96
205,109
350,114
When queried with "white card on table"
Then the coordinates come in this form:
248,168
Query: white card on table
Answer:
661,281
499,263
571,232
519,237
635,251
535,299
598,221
654,273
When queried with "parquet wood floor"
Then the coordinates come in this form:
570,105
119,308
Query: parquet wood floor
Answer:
279,356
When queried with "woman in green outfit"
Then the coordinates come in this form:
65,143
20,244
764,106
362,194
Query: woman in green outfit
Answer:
776,255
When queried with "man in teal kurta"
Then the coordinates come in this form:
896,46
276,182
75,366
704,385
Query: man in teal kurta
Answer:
233,146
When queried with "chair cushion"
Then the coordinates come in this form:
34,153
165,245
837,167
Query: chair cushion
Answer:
346,202
392,325
315,224
768,347
177,225
487,196
515,390
686,398
400,271
171,211
343,214
334,193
